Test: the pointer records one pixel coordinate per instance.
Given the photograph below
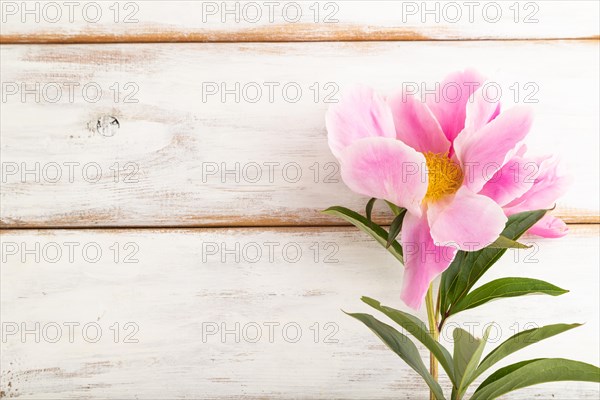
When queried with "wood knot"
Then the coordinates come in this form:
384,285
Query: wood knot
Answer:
107,125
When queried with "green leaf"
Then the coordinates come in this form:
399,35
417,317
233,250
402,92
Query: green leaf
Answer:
505,287
395,228
534,372
467,353
369,208
419,330
403,347
395,209
468,267
505,243
505,371
371,228
520,341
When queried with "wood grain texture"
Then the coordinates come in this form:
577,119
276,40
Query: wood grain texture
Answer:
180,286
181,156
166,155
283,21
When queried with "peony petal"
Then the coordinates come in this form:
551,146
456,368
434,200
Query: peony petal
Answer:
549,185
449,102
521,151
512,180
483,152
386,169
481,109
467,220
360,113
549,227
423,260
416,126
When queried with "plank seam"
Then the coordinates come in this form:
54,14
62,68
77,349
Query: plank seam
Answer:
10,40
175,227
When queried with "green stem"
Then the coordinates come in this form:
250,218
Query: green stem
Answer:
432,317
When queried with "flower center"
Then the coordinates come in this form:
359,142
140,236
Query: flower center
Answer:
445,176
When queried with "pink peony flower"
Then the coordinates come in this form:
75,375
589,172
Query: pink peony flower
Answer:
456,164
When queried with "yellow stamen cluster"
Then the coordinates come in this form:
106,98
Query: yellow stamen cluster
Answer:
445,176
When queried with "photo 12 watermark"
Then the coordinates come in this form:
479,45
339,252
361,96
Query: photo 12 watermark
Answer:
70,12
270,12
55,172
66,92
290,332
88,252
69,332
469,12
268,172
489,91
269,252
269,92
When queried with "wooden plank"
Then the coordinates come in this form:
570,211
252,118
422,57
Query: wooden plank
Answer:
188,283
235,21
183,155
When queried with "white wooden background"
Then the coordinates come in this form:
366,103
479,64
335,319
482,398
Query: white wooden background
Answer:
185,246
